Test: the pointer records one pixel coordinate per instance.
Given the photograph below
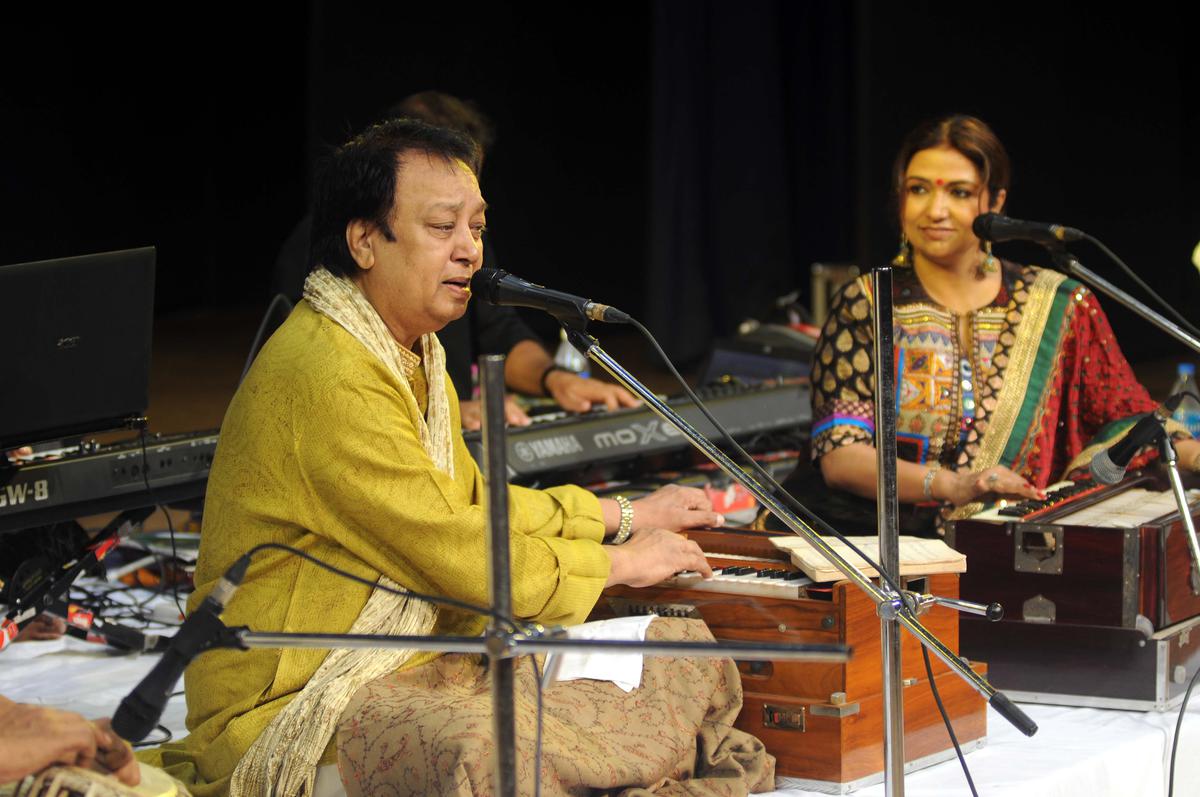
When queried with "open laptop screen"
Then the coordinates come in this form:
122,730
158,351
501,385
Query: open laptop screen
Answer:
77,355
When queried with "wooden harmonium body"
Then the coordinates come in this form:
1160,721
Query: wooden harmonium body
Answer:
822,722
1100,605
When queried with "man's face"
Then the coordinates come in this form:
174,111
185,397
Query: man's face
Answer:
420,280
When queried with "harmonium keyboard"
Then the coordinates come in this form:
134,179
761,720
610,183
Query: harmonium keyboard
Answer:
1098,592
822,722
91,479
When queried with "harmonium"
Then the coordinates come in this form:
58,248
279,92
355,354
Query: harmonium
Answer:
822,722
1102,607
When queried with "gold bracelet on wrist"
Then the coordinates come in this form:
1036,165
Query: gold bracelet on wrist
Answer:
625,527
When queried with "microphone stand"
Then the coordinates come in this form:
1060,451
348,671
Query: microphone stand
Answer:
502,667
890,607
1167,452
1067,262
889,535
538,640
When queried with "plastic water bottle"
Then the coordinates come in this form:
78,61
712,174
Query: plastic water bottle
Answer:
570,357
1188,412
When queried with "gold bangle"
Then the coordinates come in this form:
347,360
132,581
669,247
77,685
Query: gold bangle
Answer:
625,527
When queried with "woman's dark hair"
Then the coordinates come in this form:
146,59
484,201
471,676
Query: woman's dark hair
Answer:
358,182
966,134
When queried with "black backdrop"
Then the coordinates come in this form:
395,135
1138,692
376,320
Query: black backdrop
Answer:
685,160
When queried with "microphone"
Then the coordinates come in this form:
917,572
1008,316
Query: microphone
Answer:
142,708
1108,466
499,287
996,228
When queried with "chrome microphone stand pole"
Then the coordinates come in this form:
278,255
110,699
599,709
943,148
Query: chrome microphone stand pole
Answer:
502,665
889,539
1171,460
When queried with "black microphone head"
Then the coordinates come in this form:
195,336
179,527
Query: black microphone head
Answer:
982,226
484,282
134,719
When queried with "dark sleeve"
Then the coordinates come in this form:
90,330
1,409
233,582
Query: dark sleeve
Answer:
484,329
496,330
456,340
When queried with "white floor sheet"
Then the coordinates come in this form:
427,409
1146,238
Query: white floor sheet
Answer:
1077,751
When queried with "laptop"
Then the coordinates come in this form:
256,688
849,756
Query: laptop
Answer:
76,358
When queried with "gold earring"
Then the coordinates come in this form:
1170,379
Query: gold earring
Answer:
903,258
990,264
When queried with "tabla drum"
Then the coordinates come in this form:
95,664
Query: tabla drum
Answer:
60,781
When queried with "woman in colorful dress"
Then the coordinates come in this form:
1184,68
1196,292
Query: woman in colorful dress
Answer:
1008,376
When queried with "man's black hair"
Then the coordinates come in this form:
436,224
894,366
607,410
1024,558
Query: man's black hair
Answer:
358,182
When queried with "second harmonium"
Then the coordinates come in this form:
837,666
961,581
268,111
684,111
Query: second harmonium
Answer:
1102,603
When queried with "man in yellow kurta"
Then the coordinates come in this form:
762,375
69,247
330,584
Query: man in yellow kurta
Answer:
331,445
334,430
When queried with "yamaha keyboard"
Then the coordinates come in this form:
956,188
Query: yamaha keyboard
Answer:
93,479
574,441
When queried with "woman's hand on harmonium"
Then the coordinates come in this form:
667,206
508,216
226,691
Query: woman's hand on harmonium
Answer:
962,487
675,508
654,555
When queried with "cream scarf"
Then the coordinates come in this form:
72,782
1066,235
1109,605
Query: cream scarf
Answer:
283,760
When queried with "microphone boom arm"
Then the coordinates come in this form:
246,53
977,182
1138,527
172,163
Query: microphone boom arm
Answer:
1067,262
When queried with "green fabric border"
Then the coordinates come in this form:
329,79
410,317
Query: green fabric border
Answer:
1039,377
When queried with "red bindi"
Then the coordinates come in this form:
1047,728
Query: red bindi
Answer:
938,181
